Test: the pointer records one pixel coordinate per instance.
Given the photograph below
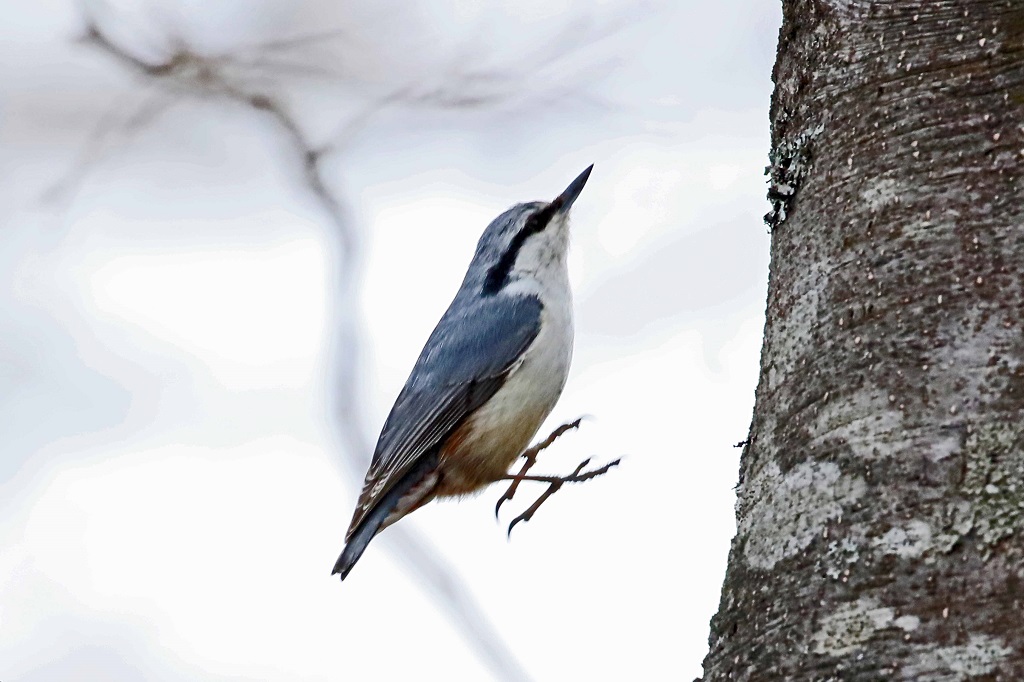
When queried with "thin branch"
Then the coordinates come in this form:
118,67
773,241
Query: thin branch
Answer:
246,78
261,65
442,583
113,127
200,77
303,40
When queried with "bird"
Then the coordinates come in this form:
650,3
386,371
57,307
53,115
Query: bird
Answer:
489,374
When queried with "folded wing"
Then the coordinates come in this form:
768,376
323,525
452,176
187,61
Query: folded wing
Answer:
458,370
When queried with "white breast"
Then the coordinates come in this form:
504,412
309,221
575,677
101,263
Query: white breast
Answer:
537,383
503,427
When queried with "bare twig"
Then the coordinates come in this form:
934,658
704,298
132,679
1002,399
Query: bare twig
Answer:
117,125
297,41
442,582
188,74
251,77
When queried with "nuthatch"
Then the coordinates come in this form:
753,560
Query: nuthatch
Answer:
488,376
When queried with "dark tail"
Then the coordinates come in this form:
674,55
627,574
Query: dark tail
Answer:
370,526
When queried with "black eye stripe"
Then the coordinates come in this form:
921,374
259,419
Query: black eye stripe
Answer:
498,274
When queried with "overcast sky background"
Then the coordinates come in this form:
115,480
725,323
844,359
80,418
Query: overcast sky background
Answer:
173,486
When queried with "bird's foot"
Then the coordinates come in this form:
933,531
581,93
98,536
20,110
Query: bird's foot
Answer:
531,458
554,483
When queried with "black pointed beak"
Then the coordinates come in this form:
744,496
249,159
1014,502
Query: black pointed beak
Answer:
563,202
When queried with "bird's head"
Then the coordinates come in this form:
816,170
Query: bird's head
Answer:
526,240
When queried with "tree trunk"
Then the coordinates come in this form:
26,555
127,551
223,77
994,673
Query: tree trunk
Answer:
880,510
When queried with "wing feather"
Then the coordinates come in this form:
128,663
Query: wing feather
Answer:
464,362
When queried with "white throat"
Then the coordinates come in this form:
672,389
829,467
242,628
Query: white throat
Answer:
542,260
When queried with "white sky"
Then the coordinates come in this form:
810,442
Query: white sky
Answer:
171,499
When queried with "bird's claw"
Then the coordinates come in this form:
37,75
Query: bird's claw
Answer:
554,484
531,458
510,492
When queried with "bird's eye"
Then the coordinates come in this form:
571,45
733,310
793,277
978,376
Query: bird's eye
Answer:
498,274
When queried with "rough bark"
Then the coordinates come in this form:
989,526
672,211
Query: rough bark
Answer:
880,509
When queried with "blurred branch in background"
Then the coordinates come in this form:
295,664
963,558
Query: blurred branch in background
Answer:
264,78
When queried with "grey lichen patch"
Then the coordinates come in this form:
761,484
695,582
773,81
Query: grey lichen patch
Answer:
880,193
954,520
842,555
945,447
994,481
875,432
790,162
907,623
781,514
979,656
929,537
853,625
908,541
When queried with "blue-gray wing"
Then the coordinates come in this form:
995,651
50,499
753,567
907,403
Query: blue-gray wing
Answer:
464,362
